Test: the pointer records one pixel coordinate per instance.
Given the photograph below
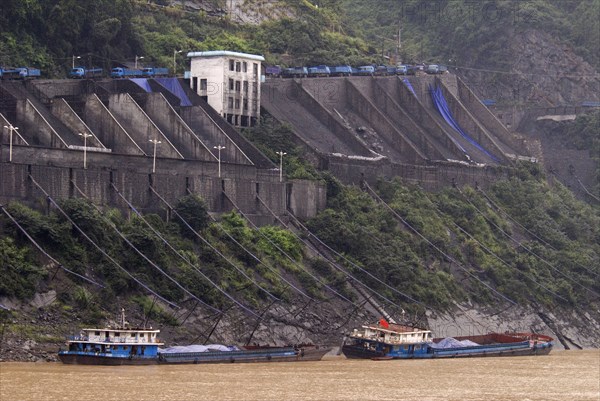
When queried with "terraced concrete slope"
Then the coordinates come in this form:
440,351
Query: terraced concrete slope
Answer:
396,117
315,125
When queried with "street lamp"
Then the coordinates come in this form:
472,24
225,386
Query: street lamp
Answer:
85,137
281,153
175,52
10,129
219,149
73,63
136,60
155,142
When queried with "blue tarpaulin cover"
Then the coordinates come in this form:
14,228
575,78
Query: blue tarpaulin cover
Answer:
442,106
409,86
174,86
143,83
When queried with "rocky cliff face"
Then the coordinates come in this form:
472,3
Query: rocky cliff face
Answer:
239,11
544,72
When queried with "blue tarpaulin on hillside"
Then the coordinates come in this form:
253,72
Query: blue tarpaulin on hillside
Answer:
174,86
409,86
143,83
442,106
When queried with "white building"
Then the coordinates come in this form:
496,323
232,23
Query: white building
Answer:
229,82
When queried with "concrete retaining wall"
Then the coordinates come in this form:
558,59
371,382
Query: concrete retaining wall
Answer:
56,169
107,128
432,177
471,126
489,120
35,127
384,127
140,127
180,134
325,117
212,135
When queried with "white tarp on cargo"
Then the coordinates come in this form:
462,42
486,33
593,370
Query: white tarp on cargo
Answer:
198,348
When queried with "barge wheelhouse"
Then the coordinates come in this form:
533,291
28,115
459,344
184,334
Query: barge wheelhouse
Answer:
113,346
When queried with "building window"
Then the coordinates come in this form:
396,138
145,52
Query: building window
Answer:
230,84
245,104
231,65
237,104
246,87
237,86
203,84
238,67
230,104
244,67
255,69
254,88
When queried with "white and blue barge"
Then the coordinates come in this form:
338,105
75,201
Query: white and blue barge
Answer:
122,345
113,346
384,340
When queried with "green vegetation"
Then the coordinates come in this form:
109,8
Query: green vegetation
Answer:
463,252
560,255
47,34
131,245
581,134
270,137
20,274
473,33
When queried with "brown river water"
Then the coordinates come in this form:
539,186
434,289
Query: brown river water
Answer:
563,375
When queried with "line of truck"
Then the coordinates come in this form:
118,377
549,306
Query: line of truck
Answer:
346,70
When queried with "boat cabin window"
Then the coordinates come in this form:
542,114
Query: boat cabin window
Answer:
97,333
142,335
117,334
132,334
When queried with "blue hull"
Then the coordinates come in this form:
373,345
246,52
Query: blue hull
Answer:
72,358
515,349
241,356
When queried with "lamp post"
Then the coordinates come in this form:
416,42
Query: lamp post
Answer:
155,142
136,60
219,149
281,153
73,60
85,137
10,129
175,52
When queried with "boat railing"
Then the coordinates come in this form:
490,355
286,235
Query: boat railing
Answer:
78,338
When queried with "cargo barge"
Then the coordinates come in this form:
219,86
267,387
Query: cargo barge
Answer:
384,341
141,346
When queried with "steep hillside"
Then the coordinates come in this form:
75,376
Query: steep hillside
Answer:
522,255
531,52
